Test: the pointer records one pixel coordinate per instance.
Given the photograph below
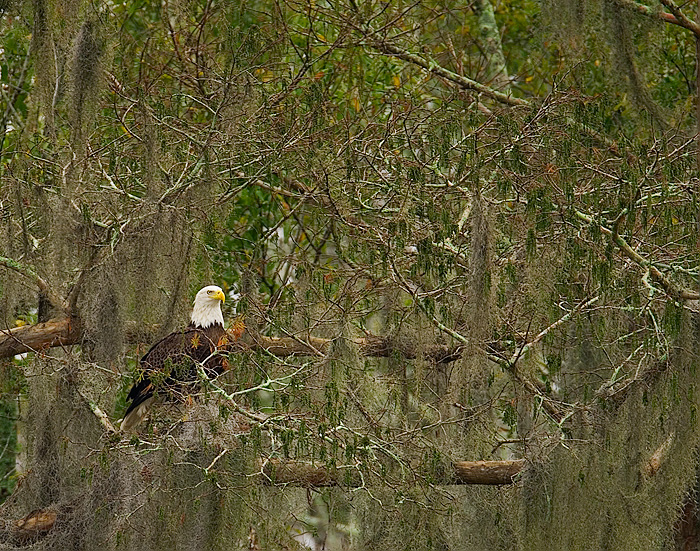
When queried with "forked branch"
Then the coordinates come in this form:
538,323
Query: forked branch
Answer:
671,289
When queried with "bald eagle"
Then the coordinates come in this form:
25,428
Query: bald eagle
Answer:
171,363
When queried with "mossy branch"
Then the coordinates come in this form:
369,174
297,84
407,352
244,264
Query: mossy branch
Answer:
26,531
616,392
681,19
436,69
553,408
99,414
672,290
39,522
651,12
40,336
43,286
370,346
658,458
491,44
67,331
309,475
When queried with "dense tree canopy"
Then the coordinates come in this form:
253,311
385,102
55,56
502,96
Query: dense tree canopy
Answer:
463,232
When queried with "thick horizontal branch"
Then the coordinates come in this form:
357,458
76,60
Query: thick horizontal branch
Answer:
39,522
488,472
374,346
304,474
32,338
63,332
66,331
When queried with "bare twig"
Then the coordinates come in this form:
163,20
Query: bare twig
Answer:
101,415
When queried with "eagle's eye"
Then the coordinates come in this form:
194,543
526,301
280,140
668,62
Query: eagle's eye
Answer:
209,292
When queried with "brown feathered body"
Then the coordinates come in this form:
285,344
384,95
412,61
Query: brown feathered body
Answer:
172,361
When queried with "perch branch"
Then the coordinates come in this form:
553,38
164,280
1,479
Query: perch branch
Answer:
66,331
305,474
31,338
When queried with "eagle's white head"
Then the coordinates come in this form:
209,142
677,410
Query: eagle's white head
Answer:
207,307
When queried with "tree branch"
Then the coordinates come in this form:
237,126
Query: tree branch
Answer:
648,11
656,274
616,392
99,414
31,338
437,70
39,522
468,84
683,21
552,407
44,287
371,345
66,331
307,475
488,472
304,474
658,458
25,531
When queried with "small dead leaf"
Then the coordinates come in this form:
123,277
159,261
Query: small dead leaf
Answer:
195,340
237,329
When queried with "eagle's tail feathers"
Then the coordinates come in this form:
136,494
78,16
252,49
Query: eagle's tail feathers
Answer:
136,414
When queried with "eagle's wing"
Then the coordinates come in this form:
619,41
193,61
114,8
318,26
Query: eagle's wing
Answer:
171,361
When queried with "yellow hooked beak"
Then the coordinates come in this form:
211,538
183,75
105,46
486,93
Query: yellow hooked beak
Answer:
220,295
